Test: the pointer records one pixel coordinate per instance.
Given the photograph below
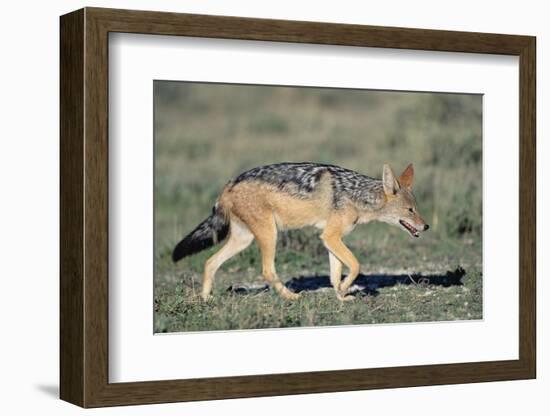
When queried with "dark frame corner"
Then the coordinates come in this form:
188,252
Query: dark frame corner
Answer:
84,207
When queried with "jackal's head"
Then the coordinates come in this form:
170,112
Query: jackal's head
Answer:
400,208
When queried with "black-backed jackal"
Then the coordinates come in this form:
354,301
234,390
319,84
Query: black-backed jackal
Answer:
259,202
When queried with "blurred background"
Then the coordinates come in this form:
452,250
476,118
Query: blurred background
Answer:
205,134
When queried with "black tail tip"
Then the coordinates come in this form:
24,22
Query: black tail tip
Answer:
189,246
177,254
175,258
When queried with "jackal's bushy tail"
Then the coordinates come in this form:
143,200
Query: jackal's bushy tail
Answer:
209,232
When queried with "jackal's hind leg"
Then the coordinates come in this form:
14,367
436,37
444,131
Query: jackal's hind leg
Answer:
239,238
335,271
266,236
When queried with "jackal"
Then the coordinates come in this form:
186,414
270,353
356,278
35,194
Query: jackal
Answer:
259,202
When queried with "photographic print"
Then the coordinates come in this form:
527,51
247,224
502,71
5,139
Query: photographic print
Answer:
290,206
328,185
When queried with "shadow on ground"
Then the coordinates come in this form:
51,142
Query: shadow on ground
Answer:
364,284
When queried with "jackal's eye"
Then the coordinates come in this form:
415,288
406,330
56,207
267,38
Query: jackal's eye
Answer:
411,210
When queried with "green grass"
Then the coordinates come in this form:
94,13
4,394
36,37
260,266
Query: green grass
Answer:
205,134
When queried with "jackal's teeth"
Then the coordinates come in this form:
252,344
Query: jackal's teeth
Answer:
412,230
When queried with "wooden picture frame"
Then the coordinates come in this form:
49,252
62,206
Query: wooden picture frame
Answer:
84,207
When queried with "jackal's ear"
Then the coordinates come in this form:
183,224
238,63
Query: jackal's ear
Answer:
406,178
391,186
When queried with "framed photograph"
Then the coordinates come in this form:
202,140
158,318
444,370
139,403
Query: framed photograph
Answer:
254,207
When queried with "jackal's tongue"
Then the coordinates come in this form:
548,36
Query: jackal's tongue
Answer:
409,228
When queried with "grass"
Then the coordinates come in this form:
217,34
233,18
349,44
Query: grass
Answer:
390,290
207,133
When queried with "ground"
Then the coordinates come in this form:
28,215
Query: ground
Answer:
422,280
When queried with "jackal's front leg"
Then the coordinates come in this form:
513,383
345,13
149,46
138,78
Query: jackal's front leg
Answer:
338,254
336,277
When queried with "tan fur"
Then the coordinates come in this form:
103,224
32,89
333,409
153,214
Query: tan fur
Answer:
251,199
256,210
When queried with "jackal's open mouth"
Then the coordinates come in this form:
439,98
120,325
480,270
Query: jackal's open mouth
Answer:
409,228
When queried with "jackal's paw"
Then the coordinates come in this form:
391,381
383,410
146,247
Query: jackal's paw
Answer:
206,297
287,294
344,298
